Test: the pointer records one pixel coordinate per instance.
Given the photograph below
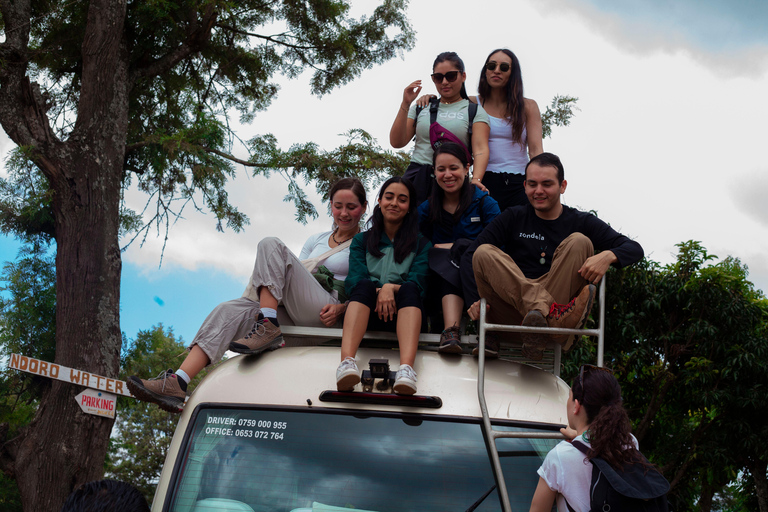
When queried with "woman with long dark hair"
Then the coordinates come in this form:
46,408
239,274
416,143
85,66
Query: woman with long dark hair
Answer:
515,133
448,75
249,324
597,419
455,212
387,276
515,128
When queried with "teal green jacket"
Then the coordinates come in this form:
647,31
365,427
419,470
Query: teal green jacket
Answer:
362,265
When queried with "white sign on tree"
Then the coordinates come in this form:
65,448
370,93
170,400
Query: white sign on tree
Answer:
93,401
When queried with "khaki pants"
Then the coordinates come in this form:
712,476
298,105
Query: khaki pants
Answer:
511,295
278,269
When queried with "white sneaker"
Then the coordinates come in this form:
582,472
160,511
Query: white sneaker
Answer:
347,375
405,380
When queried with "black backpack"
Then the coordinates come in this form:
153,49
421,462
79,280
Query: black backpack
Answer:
635,488
434,103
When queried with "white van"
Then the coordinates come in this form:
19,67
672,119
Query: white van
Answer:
271,433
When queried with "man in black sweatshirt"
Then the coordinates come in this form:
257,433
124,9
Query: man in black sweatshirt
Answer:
536,264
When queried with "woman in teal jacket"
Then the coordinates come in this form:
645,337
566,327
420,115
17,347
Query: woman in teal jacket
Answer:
455,211
387,274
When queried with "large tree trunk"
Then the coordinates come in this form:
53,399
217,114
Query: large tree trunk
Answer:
63,447
758,468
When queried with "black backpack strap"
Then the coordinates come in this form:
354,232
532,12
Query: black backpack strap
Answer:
434,104
472,111
580,446
583,449
416,118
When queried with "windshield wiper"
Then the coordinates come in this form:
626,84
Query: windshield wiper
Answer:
482,498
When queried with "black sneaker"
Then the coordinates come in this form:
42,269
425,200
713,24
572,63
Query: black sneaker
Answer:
450,341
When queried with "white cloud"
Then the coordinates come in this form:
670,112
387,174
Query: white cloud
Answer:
747,192
665,146
728,38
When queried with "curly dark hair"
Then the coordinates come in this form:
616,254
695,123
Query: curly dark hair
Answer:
106,496
610,431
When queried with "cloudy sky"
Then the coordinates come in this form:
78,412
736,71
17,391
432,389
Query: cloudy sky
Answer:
665,146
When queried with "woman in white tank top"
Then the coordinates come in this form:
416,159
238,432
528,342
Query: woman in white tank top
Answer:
515,128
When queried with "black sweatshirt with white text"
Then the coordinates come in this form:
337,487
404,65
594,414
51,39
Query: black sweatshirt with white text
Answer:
520,233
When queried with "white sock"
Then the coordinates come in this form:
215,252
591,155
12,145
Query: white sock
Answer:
183,375
269,312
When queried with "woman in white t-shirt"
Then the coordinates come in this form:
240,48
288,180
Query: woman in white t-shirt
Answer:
597,419
448,75
278,277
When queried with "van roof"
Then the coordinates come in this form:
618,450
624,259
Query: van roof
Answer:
296,376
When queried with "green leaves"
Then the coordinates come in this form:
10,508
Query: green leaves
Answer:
558,113
360,157
689,343
143,431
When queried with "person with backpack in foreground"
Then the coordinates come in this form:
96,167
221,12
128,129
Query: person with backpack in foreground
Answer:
619,477
449,118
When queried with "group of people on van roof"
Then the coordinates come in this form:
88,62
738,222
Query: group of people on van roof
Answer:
502,234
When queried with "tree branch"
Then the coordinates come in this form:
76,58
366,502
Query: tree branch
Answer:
271,39
197,37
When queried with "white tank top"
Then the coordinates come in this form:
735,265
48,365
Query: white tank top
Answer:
503,154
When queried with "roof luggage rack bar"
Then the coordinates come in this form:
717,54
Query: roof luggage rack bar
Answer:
490,434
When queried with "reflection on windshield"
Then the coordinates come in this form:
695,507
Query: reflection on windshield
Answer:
286,460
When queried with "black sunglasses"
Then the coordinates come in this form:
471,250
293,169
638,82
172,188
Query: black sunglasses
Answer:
451,76
503,67
589,368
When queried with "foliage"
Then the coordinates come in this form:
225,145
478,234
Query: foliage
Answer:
25,200
558,113
103,95
360,157
27,326
192,65
143,431
10,500
689,343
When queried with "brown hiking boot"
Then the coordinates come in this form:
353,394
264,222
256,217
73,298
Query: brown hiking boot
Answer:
534,343
571,315
491,346
164,390
450,341
263,336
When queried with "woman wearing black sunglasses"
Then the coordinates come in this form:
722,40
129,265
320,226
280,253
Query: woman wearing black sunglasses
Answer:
597,419
448,76
515,134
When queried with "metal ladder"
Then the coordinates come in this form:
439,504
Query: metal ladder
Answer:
490,434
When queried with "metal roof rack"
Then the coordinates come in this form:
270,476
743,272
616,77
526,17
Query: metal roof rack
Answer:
490,433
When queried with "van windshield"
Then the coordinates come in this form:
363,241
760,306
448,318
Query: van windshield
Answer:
320,460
